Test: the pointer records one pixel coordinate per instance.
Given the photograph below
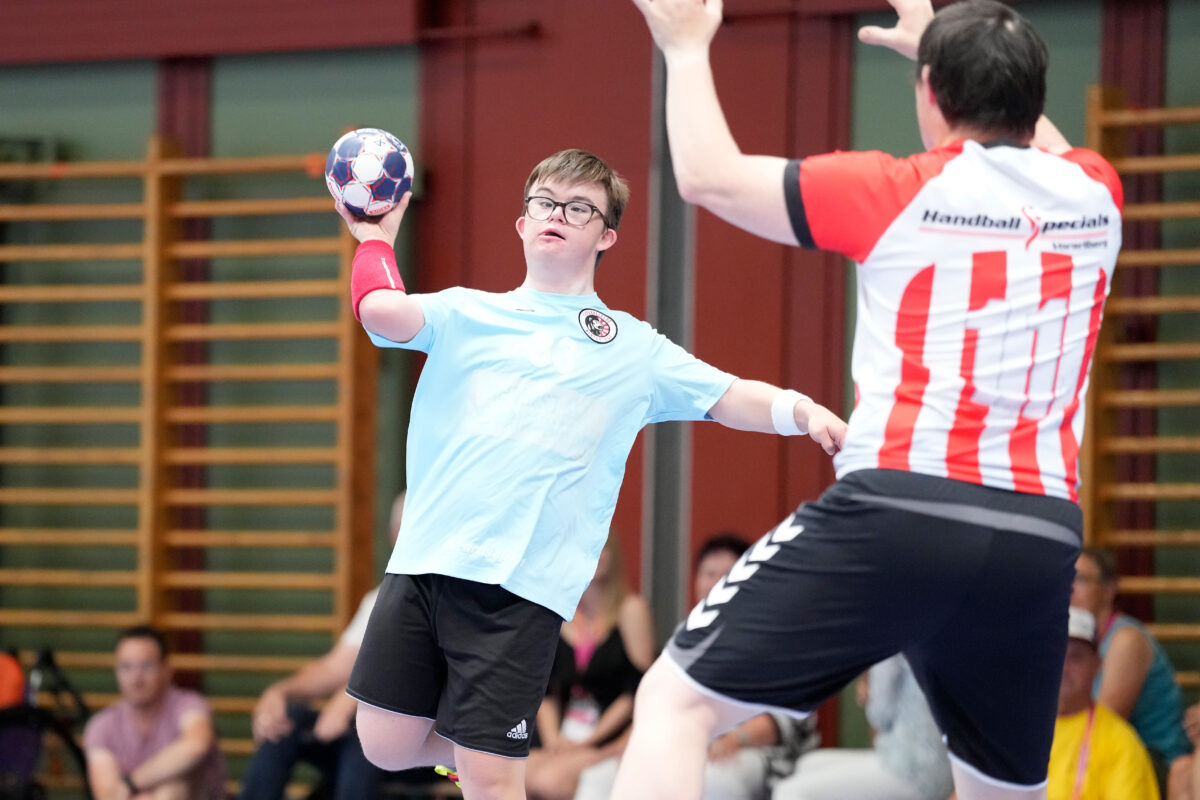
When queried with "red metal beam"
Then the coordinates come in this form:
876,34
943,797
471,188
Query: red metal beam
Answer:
36,31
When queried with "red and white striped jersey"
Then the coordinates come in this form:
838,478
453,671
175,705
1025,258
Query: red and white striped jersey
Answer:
982,274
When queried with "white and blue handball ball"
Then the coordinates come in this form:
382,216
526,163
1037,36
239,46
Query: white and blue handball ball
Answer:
368,171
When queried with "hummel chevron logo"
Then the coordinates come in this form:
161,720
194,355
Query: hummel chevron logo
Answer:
707,610
519,731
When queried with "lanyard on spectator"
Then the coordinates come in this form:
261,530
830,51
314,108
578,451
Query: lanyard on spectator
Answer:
1085,747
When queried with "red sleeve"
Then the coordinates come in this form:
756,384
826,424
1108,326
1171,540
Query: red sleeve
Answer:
1098,169
844,201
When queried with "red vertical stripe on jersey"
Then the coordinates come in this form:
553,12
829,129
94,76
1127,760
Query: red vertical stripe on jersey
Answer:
1070,446
1022,448
912,318
989,281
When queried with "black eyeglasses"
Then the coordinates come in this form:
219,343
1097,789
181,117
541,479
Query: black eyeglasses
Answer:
575,212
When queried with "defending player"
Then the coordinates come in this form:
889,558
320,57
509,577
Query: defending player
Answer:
522,421
951,533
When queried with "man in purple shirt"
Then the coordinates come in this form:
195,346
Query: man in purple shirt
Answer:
158,741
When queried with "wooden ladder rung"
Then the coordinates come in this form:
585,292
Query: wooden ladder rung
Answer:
70,374
217,414
1152,305
206,579
1134,212
68,619
77,415
218,703
1137,117
73,497
1139,165
1159,258
71,333
291,539
66,211
255,207
1148,398
1151,444
1174,631
1151,352
251,497
1188,679
309,163
67,577
69,455
256,331
71,252
179,620
330,245
1150,491
54,537
76,293
201,290
252,372
1152,538
1157,584
250,455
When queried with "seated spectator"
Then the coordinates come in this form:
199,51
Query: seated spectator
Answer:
158,741
1096,754
908,760
1136,677
288,730
602,653
746,762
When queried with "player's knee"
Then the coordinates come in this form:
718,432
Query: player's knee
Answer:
663,694
490,777
390,741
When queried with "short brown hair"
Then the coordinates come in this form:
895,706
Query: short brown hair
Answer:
579,166
1105,561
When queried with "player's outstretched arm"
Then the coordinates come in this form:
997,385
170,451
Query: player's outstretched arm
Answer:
757,406
377,292
710,169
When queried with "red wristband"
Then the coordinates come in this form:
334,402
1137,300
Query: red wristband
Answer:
374,268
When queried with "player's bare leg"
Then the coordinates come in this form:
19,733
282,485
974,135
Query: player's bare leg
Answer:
394,741
673,724
490,777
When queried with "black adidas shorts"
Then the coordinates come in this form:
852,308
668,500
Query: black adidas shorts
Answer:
970,583
473,657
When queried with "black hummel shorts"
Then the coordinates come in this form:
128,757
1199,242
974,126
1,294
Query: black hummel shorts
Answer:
472,657
970,583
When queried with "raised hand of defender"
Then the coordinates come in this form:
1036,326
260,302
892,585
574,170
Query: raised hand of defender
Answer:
914,17
824,427
679,25
383,229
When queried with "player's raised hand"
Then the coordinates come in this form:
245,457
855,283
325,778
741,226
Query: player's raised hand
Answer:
824,427
681,25
905,35
383,229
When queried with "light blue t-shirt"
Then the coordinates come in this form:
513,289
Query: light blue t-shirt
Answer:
521,425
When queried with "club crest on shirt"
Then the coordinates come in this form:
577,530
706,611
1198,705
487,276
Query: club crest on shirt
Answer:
599,327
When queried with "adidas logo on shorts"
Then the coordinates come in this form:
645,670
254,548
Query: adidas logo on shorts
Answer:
519,731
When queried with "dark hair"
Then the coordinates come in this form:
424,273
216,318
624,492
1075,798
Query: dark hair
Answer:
723,542
579,166
145,632
987,67
1105,562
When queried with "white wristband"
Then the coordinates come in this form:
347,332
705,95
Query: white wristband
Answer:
783,412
